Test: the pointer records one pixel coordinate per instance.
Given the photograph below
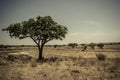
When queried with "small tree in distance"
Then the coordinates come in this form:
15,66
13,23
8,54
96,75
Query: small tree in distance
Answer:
41,30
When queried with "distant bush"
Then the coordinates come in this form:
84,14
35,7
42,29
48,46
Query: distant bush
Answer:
63,45
49,45
82,44
59,45
72,45
101,56
92,45
22,45
84,47
55,46
3,46
100,45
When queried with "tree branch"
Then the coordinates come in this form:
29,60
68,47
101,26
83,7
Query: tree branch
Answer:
45,41
34,40
39,39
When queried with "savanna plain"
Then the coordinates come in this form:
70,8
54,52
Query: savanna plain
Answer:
60,63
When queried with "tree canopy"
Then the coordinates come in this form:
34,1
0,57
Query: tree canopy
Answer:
39,29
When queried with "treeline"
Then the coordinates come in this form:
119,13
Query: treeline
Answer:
72,45
6,46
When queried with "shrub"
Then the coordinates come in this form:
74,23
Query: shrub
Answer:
84,47
55,46
22,45
101,56
63,45
100,45
92,45
72,45
3,46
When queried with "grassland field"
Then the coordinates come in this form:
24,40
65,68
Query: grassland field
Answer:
60,63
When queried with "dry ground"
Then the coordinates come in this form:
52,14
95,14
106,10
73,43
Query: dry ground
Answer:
61,63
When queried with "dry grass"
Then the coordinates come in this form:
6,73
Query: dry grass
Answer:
60,64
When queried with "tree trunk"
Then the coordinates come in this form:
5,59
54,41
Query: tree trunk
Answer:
40,48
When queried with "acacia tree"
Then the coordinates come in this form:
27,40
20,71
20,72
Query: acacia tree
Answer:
40,29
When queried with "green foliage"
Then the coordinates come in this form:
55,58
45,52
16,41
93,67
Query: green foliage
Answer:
100,45
101,57
72,45
40,29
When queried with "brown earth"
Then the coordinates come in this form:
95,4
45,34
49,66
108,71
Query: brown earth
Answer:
61,63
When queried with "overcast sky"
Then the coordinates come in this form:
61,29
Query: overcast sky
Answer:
87,20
